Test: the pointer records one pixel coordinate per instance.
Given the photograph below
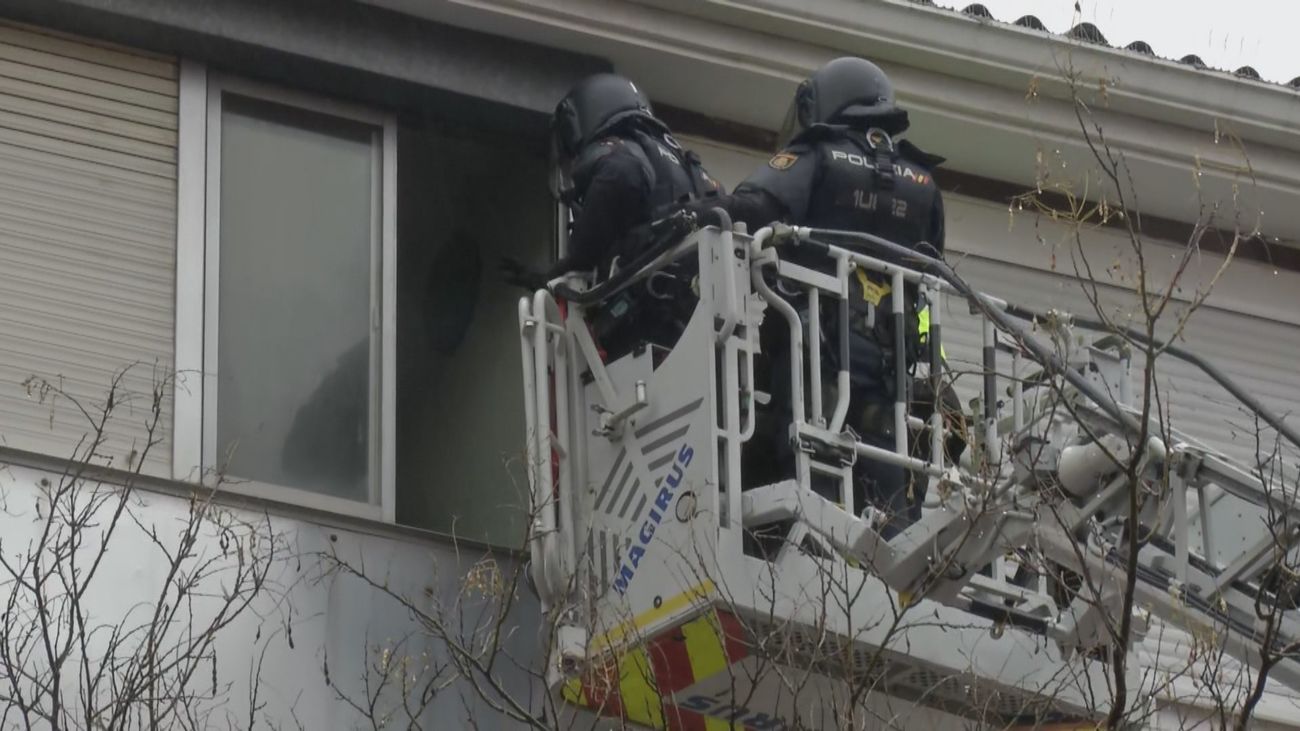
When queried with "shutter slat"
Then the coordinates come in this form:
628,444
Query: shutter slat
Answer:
106,229
138,256
83,211
108,108
95,297
61,190
100,52
125,129
82,263
110,348
48,127
71,365
86,69
87,237
90,87
85,173
111,158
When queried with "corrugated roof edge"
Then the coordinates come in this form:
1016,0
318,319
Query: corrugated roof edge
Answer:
1088,33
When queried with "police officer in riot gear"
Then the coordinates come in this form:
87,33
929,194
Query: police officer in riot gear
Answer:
843,167
618,168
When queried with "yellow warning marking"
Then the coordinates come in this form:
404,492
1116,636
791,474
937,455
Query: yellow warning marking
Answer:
572,692
923,329
717,724
667,607
704,647
642,702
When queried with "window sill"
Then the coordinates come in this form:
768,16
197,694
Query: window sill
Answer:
239,500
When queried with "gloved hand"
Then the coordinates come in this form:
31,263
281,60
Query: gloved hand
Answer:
519,274
704,212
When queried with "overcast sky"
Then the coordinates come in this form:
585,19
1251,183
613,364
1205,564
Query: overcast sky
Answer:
1227,34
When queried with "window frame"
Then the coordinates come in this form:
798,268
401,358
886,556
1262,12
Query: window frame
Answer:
195,457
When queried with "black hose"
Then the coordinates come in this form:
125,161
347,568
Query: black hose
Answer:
664,235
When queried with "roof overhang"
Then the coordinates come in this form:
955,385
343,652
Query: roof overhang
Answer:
369,54
992,98
1008,56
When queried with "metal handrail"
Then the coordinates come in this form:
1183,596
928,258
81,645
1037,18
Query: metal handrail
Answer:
545,357
992,309
941,269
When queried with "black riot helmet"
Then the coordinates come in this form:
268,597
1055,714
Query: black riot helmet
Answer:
848,91
595,105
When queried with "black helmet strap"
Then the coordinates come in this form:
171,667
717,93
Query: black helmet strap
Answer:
883,144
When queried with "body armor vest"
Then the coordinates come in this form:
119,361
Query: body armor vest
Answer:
869,187
678,176
865,185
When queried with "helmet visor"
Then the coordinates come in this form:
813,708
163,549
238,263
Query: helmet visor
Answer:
882,114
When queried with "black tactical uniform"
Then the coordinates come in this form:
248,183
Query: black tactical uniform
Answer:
620,183
838,177
843,170
618,168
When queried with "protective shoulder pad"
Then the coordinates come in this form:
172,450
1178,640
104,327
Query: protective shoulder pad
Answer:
590,159
919,156
596,151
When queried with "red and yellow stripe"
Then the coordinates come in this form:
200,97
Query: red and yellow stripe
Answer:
638,684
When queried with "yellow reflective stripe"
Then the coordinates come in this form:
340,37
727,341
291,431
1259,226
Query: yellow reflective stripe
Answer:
573,692
641,701
704,646
717,724
669,606
923,328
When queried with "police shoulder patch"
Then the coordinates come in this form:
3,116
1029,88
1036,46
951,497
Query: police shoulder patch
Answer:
782,161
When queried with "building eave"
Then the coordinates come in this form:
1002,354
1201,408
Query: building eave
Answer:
1014,57
963,80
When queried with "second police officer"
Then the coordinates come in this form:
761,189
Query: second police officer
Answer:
842,167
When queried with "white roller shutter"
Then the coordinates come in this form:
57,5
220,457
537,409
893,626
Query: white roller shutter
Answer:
87,237
1259,353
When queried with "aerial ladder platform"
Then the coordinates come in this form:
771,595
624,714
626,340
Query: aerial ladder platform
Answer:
680,595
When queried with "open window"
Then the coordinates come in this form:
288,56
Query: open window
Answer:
339,292
297,326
